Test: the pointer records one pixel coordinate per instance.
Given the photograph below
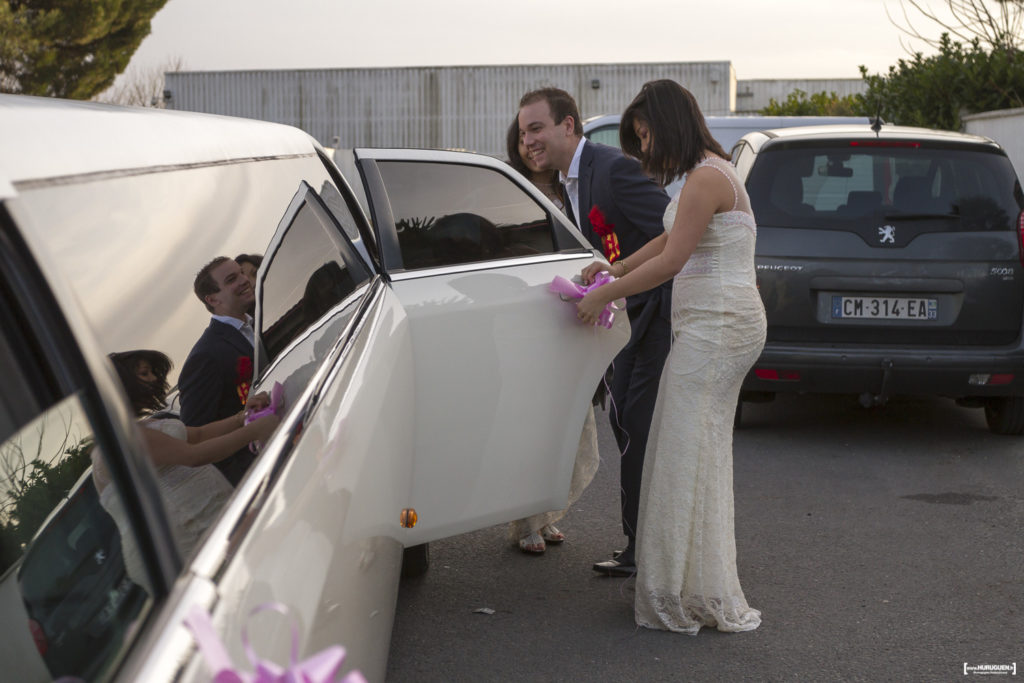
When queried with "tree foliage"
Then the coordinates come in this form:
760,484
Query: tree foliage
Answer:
799,103
33,485
69,48
936,91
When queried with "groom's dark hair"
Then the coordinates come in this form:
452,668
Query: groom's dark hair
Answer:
561,104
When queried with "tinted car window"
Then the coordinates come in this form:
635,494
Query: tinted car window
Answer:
65,594
839,185
448,213
66,602
606,135
309,273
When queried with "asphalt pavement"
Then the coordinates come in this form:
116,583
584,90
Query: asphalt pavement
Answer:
880,545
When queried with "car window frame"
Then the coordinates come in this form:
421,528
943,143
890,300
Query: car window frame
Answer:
304,196
354,196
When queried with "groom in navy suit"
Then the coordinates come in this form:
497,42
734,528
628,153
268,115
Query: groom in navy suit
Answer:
214,382
619,209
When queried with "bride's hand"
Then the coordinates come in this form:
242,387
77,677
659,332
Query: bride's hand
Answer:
590,272
590,307
257,402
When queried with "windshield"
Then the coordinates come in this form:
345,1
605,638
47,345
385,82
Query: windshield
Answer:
840,184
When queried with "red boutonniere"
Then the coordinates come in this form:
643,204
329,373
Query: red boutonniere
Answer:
609,240
243,378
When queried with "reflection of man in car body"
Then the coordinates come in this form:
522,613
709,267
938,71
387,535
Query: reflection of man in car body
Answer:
214,382
607,191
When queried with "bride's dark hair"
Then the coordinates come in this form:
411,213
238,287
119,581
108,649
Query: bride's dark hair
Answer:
679,134
146,397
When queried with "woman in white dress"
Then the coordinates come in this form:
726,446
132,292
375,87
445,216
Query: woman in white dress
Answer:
686,557
192,489
533,534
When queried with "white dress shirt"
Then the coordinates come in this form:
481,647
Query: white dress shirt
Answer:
571,181
243,326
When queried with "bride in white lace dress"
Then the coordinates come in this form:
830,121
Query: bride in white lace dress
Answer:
192,490
686,558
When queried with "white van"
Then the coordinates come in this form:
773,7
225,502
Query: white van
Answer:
432,384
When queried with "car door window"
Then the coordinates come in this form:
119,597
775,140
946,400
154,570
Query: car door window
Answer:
446,214
310,270
67,601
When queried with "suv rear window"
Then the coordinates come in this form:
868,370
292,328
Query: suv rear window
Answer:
839,184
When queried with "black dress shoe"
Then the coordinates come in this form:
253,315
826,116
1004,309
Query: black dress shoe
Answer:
621,567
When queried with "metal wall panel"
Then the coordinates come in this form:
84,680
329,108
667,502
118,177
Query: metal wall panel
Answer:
430,107
1005,126
754,95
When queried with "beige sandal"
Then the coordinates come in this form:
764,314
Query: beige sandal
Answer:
532,544
551,534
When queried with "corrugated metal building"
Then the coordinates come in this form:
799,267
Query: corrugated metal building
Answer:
455,107
754,95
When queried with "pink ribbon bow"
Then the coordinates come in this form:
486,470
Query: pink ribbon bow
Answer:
567,290
276,401
320,668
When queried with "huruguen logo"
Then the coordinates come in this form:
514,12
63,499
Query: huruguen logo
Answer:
887,234
991,669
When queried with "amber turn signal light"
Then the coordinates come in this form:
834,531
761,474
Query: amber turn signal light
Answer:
408,518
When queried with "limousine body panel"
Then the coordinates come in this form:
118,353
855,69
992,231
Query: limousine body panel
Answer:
455,387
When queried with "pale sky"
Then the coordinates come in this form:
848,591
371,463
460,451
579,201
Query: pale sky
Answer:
762,38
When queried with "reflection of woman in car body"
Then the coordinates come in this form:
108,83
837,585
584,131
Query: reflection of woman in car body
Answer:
193,490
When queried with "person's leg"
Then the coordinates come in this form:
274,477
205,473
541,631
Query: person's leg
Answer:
638,406
637,372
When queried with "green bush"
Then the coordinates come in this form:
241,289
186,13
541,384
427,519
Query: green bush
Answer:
34,499
936,91
799,103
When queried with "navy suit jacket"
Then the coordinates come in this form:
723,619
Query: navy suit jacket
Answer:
634,205
208,386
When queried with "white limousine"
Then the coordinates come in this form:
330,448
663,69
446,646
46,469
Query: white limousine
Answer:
428,376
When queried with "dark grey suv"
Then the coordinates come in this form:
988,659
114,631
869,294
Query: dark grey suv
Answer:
890,262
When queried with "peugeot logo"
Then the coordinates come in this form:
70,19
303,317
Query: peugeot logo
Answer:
887,234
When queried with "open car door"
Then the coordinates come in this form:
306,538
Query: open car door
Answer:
503,371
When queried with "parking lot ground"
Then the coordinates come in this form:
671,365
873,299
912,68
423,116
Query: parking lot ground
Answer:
879,544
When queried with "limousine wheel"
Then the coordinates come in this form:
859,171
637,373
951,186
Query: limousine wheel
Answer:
415,561
1005,415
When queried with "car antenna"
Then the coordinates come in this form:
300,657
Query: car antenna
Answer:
876,123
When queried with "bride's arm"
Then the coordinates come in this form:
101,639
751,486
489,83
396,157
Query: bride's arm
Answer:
228,424
167,450
641,255
705,193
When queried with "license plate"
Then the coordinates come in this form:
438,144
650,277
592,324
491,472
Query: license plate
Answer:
884,308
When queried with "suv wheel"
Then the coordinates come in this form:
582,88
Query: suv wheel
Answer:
415,561
1005,415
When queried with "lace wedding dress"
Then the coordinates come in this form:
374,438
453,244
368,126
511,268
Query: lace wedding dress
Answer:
686,544
192,496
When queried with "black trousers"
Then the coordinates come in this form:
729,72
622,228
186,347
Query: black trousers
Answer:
636,375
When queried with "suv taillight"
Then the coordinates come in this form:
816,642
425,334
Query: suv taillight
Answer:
37,635
1020,236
